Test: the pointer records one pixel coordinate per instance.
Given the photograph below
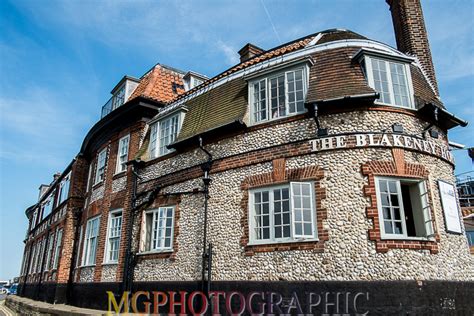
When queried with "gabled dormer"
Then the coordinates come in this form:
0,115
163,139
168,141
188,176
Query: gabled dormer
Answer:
192,79
120,94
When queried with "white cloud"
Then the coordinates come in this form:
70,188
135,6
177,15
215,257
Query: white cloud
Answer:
230,53
38,127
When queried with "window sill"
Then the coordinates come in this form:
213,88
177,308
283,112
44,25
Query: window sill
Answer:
279,242
87,266
252,123
154,252
148,255
97,185
110,263
406,238
119,175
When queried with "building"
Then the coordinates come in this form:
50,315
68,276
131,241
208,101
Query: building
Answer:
321,165
465,186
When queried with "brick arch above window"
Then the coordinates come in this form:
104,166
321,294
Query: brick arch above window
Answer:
401,169
281,175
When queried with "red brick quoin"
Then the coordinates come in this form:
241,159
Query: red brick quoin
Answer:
397,168
281,175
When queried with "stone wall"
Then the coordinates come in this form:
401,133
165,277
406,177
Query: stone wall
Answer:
348,254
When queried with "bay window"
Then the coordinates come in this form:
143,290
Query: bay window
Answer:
113,236
157,233
278,95
404,208
282,213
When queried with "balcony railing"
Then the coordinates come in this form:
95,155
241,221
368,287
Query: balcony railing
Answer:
107,107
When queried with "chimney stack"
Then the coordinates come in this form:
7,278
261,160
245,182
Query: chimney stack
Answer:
411,36
248,51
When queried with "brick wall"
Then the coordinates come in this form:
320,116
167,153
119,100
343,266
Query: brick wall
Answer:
411,35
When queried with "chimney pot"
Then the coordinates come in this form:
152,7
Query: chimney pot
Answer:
249,51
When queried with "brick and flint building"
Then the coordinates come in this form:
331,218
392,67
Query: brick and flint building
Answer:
321,165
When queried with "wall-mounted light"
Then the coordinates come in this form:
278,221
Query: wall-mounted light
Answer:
322,132
397,128
434,133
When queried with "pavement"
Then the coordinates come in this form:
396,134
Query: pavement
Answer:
5,311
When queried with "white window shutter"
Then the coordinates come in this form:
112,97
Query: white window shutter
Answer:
426,209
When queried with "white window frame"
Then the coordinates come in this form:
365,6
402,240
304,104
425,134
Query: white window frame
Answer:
155,135
112,216
267,78
293,238
57,248
425,204
155,213
90,249
101,166
64,194
370,78
123,142
78,258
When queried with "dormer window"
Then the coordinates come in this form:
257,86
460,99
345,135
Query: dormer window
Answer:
192,79
120,94
278,95
119,98
390,77
163,133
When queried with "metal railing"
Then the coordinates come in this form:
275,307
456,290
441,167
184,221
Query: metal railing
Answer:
107,107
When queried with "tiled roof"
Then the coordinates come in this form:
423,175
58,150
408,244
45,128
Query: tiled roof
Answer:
220,106
161,83
335,75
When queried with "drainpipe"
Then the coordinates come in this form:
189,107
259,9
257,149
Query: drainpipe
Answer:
206,253
130,258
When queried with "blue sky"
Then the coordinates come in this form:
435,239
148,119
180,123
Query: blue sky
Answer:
60,59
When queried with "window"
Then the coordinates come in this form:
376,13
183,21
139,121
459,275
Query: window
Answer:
278,95
64,189
90,241
113,237
33,219
59,237
48,206
122,155
33,258
158,229
49,250
470,237
392,80
282,213
101,161
404,208
118,98
163,133
81,231
39,264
